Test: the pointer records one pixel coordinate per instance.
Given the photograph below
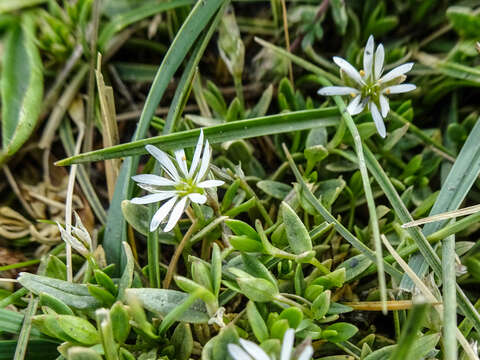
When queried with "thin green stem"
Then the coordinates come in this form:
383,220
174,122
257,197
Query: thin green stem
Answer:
449,299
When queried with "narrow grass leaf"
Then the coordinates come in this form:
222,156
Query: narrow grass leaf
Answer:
243,129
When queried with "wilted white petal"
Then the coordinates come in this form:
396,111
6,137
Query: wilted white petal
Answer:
356,106
337,90
197,198
306,353
151,179
379,59
176,214
151,198
237,353
254,350
399,89
205,162
196,155
162,213
81,232
181,161
396,72
164,160
210,183
368,57
349,69
384,106
377,118
287,344
72,241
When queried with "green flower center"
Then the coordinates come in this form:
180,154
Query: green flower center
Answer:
188,186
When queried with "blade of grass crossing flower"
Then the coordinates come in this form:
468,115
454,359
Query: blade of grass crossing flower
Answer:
235,130
195,23
424,246
22,344
330,219
460,179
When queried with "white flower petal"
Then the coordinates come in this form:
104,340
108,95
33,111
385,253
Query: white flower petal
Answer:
396,72
254,350
377,118
162,213
210,183
176,214
181,161
151,179
379,59
164,160
349,69
152,198
306,353
197,198
237,353
399,89
368,57
337,90
205,162
196,155
287,344
356,106
384,106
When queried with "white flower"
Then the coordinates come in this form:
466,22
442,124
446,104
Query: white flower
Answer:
251,351
368,87
79,238
179,187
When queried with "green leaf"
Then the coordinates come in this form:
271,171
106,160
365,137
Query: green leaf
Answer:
12,5
74,295
120,322
256,322
137,216
216,347
344,331
182,341
55,304
36,350
21,86
243,129
464,20
275,189
78,329
82,353
297,235
163,301
242,229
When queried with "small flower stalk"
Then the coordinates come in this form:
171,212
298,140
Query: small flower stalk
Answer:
250,351
369,88
179,187
79,238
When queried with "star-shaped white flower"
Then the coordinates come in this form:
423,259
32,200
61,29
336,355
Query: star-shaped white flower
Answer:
251,351
179,186
368,87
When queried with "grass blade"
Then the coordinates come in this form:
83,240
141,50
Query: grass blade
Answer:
449,298
243,129
22,344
